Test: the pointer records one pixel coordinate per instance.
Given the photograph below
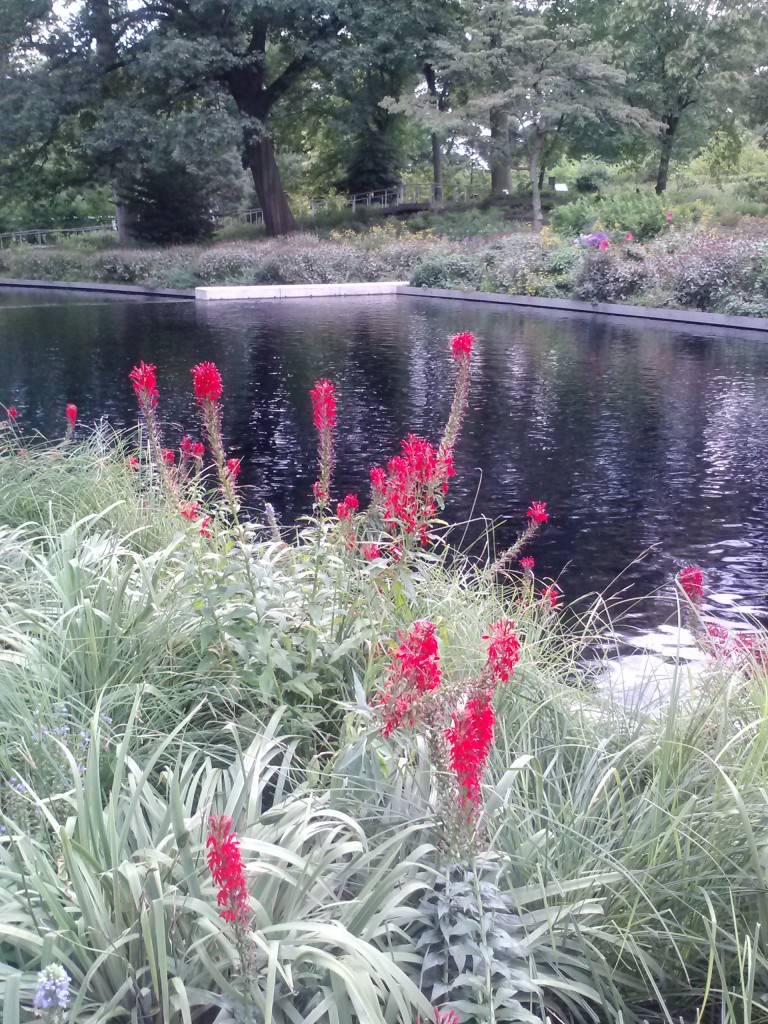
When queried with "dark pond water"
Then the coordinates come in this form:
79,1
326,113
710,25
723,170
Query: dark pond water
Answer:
639,438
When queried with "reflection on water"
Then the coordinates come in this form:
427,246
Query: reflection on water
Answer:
639,438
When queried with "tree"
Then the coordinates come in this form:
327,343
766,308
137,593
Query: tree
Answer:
677,53
537,79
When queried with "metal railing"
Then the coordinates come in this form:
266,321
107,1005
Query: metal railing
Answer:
43,236
401,195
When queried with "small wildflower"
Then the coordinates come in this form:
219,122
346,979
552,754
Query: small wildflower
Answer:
692,581
205,526
190,509
538,512
169,456
629,237
52,995
71,414
669,215
12,412
132,462
527,563
233,468
461,345
207,383
371,552
198,450
225,863
603,245
550,595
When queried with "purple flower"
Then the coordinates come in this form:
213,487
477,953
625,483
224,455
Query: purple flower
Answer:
52,995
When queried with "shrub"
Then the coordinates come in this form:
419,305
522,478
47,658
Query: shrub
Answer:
642,213
605,277
448,270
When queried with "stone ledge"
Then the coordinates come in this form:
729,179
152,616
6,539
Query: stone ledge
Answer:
670,316
236,293
93,286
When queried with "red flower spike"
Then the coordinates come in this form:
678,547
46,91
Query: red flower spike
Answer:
692,581
71,414
169,456
233,468
323,396
145,384
185,447
538,512
12,412
414,670
503,650
198,450
205,526
378,479
347,508
527,563
469,739
207,383
550,595
190,509
446,1017
371,552
461,346
225,863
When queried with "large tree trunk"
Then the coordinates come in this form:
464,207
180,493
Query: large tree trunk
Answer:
667,141
534,155
501,175
260,154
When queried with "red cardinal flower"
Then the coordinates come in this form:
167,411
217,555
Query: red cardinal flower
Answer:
378,479
233,468
145,384
169,456
225,863
550,595
461,345
190,509
414,670
323,396
371,552
692,581
207,383
527,563
205,526
469,740
71,414
347,508
538,512
12,412
503,650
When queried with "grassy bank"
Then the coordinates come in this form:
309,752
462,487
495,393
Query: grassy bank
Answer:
169,674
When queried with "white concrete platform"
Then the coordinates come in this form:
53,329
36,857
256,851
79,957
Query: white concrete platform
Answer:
235,293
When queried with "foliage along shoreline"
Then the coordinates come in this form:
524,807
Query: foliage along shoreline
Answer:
680,266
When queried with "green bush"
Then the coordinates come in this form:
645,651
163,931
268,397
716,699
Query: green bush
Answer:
639,212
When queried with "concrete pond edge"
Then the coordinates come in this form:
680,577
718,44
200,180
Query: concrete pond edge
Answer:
245,293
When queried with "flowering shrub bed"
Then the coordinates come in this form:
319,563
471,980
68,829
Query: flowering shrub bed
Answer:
339,773
679,268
